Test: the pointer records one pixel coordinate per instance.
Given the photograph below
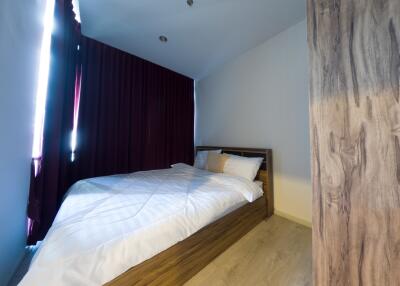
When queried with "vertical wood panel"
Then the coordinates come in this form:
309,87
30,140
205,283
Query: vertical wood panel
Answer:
355,129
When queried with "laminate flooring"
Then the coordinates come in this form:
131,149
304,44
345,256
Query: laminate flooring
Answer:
277,252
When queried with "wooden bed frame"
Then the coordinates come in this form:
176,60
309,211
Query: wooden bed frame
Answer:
177,264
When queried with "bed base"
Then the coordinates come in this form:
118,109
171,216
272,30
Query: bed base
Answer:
177,264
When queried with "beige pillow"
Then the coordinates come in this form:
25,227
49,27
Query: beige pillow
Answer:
216,162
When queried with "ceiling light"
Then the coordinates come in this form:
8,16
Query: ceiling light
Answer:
163,39
190,2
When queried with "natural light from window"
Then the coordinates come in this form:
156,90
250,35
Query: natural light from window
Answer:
75,4
74,135
41,93
78,82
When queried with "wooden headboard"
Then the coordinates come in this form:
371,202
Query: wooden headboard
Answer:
265,174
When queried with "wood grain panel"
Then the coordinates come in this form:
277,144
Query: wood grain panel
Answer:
355,129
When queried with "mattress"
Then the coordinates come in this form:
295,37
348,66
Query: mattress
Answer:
106,225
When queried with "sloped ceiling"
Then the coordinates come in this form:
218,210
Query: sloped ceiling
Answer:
200,38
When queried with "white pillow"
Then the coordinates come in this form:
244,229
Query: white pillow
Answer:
259,183
201,158
243,166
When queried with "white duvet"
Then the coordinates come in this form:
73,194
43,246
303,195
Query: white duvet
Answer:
106,225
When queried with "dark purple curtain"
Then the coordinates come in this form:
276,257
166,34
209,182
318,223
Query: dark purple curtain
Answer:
134,115
49,185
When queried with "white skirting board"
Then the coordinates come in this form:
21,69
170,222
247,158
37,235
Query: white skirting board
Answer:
293,218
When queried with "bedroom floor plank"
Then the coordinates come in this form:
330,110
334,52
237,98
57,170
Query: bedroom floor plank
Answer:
276,252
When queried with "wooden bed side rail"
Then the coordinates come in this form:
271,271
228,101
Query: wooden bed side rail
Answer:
177,264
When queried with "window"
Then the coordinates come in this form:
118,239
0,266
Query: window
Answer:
75,4
41,93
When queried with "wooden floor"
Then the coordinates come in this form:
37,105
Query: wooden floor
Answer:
277,253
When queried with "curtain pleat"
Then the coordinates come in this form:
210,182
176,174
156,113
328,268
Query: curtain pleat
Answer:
134,115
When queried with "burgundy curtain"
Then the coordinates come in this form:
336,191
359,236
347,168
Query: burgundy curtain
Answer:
49,185
134,115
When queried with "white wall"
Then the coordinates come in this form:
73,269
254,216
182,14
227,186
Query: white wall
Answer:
20,36
261,100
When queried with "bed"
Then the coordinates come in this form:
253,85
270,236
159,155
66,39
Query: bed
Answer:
150,228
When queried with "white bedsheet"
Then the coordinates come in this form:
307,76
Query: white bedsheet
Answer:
106,225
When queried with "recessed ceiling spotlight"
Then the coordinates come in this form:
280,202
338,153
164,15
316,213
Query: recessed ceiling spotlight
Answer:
190,2
163,39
